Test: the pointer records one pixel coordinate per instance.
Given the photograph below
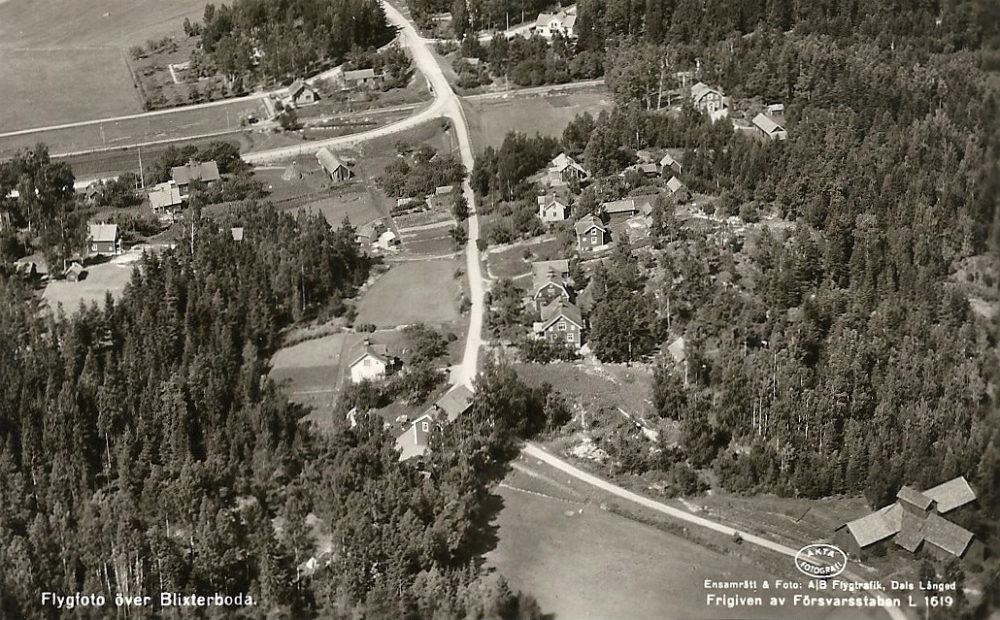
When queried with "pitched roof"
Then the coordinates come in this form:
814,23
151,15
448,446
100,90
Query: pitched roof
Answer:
377,351
951,495
766,124
910,538
206,171
297,87
455,402
586,223
444,190
539,269
668,160
371,229
674,185
563,161
165,195
700,90
560,308
544,19
359,74
548,199
74,268
677,350
620,206
328,160
912,496
876,526
104,232
549,278
949,536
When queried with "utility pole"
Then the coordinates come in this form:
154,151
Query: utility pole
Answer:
142,176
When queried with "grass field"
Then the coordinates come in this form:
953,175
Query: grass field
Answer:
311,371
172,125
101,279
413,292
354,202
581,561
62,59
491,119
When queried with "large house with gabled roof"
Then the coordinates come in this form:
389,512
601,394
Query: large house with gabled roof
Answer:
561,323
591,233
374,362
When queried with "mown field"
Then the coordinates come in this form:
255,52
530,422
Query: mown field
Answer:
63,62
413,292
491,119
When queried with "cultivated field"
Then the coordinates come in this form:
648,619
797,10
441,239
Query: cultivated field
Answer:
311,372
413,292
63,59
355,202
170,125
110,277
581,561
491,119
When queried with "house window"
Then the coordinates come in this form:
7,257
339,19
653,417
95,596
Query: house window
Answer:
562,326
570,337
424,426
368,362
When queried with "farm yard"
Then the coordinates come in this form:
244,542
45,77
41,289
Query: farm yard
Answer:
109,277
491,119
48,45
413,292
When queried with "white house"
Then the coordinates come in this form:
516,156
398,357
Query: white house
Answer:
552,208
562,23
375,362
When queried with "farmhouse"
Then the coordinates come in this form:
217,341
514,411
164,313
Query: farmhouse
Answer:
627,207
548,288
669,163
648,170
915,520
165,197
769,129
205,172
94,192
590,233
374,362
564,168
552,208
104,239
709,100
413,441
361,78
370,232
561,323
333,165
300,93
563,23
541,268
676,189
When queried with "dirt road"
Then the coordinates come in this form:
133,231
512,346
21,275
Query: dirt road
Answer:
536,451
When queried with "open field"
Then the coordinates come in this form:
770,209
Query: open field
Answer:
581,561
115,162
491,119
311,371
62,59
596,387
170,125
509,261
355,202
413,292
101,279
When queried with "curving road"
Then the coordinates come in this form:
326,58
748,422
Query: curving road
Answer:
537,452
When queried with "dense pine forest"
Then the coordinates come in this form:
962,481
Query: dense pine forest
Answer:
284,40
840,353
143,449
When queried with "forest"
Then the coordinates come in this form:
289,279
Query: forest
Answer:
840,353
143,448
264,40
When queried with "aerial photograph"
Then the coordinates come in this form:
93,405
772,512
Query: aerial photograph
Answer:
500,309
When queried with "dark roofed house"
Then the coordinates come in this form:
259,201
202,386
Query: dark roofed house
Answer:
414,439
165,197
670,163
333,165
183,176
369,233
561,323
914,500
75,272
548,288
590,233
454,403
951,495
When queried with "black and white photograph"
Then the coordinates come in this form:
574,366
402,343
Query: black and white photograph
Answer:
500,309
